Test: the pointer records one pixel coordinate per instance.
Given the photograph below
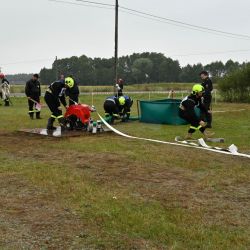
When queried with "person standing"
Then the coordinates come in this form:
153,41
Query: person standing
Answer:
33,93
119,87
207,98
5,90
62,78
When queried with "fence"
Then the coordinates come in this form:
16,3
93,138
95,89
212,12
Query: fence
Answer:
169,94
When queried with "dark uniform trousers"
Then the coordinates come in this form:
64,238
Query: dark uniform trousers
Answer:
32,105
206,116
53,104
194,122
111,109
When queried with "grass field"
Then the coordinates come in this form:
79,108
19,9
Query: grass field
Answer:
133,87
107,192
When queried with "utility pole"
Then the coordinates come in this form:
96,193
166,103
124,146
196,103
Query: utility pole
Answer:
116,41
56,69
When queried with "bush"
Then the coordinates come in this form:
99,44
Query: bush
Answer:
235,87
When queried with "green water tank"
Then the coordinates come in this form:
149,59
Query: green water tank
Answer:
165,111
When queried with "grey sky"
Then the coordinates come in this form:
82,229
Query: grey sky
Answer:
35,31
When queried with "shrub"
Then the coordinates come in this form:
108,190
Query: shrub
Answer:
235,87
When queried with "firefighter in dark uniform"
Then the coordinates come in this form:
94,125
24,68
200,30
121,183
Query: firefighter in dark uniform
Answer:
73,92
187,111
33,92
126,109
119,87
5,90
54,95
112,107
207,97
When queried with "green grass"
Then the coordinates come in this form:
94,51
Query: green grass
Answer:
126,194
133,87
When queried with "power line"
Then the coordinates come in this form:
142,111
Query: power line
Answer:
159,19
212,53
79,4
97,3
184,24
178,25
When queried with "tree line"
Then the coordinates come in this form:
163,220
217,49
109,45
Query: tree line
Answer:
19,78
136,68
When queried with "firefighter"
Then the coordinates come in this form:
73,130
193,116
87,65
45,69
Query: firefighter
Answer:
5,90
112,107
119,87
126,109
187,111
207,97
62,78
54,96
73,92
33,92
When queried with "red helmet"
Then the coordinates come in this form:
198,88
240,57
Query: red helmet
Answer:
2,75
120,81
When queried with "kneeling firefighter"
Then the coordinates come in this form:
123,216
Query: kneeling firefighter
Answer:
126,108
55,95
187,111
112,107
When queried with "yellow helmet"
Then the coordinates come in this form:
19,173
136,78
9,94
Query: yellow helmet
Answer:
197,88
122,100
69,81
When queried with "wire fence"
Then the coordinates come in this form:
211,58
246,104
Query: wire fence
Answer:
147,94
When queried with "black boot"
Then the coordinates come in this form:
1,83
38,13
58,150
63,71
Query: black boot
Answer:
38,115
31,114
209,120
50,124
6,103
62,123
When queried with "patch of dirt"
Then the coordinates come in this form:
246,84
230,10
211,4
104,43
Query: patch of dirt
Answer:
33,219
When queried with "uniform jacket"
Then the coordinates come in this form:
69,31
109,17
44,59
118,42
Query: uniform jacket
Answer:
33,88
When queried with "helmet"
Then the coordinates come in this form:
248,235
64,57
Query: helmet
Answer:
69,81
2,75
197,88
120,81
122,100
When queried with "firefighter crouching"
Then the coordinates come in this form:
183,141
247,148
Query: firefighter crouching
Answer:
112,107
187,111
73,92
126,109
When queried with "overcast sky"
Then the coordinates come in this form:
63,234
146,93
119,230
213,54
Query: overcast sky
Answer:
33,32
